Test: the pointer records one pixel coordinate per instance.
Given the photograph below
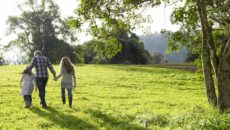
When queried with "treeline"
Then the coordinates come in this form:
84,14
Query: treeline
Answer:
131,52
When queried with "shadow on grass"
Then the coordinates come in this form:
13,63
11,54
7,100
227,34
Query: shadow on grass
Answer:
108,122
65,121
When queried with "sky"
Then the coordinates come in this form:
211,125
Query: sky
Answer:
9,7
160,17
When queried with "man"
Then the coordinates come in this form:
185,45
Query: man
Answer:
41,63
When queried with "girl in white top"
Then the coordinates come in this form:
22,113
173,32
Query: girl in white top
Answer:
27,86
68,79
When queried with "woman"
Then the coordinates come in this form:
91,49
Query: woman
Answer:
68,81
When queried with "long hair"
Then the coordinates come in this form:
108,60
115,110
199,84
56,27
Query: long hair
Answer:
27,71
66,62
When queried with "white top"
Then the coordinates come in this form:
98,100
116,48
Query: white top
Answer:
67,77
27,83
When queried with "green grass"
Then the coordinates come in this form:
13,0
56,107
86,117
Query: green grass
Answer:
113,97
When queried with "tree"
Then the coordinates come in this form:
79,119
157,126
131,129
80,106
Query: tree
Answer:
79,51
2,61
106,21
191,57
158,58
213,60
220,63
193,16
213,51
190,36
90,54
38,28
132,51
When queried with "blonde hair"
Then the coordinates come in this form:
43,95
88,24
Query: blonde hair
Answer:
66,62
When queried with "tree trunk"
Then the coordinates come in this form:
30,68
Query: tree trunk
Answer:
208,32
222,66
223,79
206,64
207,72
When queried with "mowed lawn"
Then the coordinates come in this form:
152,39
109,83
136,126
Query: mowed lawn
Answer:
113,97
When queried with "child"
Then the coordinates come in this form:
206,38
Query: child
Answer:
27,86
68,79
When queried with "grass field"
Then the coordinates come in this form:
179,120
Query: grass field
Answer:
113,97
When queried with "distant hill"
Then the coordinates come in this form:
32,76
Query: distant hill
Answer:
157,43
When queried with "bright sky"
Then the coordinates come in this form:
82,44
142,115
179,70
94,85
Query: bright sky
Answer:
160,17
9,7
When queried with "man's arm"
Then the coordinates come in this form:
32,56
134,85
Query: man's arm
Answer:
33,63
51,68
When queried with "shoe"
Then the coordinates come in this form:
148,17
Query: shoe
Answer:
44,106
70,102
63,101
30,103
27,104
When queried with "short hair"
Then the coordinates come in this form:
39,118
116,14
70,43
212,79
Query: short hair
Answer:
37,53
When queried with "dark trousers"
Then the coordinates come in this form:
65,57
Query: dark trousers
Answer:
41,84
69,96
63,93
27,98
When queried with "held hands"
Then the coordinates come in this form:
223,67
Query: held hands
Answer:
55,78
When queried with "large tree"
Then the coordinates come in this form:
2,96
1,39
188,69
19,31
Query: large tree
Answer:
219,62
213,29
40,27
105,14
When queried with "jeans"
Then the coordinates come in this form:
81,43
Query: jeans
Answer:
63,92
41,84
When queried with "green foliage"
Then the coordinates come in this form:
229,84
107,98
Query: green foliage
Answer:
39,27
105,51
158,58
107,21
191,57
132,52
190,34
59,49
89,52
113,97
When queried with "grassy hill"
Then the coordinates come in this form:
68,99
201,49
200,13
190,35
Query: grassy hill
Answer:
113,97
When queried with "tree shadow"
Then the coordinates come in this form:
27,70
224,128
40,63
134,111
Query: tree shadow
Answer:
109,122
65,121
